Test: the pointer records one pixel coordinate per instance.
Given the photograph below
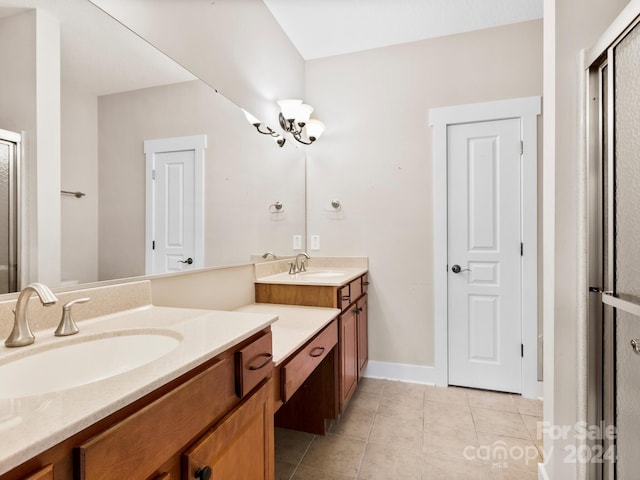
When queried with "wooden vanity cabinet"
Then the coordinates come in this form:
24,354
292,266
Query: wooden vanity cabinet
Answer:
240,446
362,322
351,299
224,404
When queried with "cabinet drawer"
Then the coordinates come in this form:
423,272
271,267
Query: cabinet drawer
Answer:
349,293
253,364
125,449
295,371
45,473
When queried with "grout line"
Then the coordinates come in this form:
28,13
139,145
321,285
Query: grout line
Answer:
293,474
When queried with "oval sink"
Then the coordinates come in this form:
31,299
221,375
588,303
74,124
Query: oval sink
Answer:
60,367
323,274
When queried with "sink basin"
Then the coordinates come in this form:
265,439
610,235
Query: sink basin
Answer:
59,367
322,274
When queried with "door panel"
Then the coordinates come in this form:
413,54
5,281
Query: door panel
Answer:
485,331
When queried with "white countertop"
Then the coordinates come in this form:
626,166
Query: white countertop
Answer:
319,276
30,425
295,326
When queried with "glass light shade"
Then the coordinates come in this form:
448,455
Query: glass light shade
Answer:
250,118
304,112
289,107
314,128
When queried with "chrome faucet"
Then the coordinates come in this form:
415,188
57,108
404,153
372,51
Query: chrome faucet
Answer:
266,255
21,334
298,266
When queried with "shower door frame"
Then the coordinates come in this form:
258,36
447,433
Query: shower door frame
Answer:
599,196
15,212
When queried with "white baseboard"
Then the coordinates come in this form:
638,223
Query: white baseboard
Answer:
402,372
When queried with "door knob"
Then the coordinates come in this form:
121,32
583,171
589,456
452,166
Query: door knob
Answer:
458,269
188,261
635,344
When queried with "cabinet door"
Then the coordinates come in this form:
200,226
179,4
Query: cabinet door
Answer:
363,335
348,355
240,447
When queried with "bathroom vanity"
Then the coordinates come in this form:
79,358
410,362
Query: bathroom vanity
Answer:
206,406
342,288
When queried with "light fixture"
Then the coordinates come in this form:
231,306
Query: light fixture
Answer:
280,140
294,119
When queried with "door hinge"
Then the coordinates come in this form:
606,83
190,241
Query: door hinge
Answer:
521,249
153,245
521,147
522,350
153,174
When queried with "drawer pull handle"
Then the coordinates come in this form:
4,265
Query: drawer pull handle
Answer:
263,364
203,473
365,283
346,298
319,350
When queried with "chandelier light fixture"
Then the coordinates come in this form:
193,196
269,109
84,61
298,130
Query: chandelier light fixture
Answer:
279,139
295,119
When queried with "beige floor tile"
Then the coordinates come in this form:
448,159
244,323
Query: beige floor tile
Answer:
364,401
399,408
497,473
284,470
396,431
454,415
528,406
310,473
493,400
446,394
501,423
534,427
337,455
444,440
385,462
291,445
437,467
371,385
403,388
508,452
354,423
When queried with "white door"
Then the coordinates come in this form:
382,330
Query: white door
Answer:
174,204
484,255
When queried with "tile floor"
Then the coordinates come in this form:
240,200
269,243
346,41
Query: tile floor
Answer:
394,430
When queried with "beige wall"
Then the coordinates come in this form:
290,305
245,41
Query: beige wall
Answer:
79,172
570,26
375,157
244,173
235,46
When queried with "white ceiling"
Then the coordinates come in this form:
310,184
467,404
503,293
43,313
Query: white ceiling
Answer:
322,28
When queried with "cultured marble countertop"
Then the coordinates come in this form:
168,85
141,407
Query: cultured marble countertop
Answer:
319,276
30,425
295,326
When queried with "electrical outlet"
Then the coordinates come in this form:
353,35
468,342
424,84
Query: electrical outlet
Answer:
315,242
297,242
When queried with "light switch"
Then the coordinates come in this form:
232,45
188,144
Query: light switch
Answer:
297,242
315,242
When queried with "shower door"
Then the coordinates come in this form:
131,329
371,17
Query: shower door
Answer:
9,165
615,255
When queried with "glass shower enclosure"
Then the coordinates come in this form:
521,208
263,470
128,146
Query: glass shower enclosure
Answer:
10,153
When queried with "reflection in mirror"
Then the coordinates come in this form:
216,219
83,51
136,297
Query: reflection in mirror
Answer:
116,91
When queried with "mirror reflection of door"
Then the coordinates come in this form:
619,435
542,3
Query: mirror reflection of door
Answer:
614,261
9,163
175,220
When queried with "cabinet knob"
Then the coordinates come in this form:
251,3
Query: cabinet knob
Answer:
203,473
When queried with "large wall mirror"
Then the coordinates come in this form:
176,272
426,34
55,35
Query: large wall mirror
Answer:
115,91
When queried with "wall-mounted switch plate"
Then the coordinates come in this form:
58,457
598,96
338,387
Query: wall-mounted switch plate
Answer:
315,242
297,242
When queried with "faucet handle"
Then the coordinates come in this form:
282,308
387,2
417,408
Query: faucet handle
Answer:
67,326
